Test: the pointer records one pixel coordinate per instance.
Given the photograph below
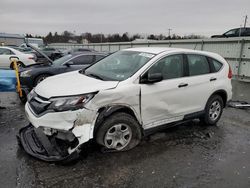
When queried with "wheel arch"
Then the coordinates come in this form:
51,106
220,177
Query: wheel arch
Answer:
35,77
19,61
223,94
106,111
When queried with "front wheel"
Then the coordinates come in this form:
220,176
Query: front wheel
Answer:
213,110
23,99
120,132
40,78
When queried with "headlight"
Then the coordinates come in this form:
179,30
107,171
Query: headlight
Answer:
70,103
25,73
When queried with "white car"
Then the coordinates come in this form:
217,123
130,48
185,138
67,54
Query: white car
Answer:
122,98
23,59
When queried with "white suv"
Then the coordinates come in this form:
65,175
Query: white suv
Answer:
122,98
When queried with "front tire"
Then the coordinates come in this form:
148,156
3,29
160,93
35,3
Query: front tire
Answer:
23,99
40,78
213,110
120,132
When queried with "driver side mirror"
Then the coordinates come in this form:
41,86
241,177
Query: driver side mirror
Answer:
151,78
68,64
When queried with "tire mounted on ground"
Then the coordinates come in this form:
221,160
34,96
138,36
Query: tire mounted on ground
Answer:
120,132
213,110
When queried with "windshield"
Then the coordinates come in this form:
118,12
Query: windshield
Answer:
62,60
119,66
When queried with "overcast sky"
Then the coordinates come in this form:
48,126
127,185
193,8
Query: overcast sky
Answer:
203,17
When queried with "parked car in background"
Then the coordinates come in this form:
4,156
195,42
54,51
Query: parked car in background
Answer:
52,53
76,50
237,32
33,75
23,59
81,50
119,99
27,50
7,80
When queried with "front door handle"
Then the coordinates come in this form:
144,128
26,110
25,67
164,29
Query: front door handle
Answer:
183,85
213,79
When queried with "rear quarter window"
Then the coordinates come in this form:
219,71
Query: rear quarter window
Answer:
217,65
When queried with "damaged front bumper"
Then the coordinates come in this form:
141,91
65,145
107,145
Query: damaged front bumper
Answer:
37,144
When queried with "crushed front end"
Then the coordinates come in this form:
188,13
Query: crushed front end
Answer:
47,148
56,134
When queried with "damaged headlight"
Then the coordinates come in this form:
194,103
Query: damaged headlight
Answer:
70,103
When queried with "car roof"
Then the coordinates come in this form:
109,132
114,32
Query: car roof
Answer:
238,28
6,47
158,50
88,53
9,48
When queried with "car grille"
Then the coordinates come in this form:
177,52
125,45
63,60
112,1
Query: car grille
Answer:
38,104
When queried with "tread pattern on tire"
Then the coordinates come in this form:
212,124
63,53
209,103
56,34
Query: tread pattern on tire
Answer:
206,120
120,117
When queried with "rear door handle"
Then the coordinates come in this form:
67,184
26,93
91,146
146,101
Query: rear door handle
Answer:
213,79
183,85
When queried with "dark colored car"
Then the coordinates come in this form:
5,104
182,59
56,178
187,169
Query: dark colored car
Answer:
237,32
34,74
52,53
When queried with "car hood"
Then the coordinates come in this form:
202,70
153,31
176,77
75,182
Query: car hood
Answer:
73,83
37,65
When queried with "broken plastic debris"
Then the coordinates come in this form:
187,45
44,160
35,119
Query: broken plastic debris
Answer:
239,104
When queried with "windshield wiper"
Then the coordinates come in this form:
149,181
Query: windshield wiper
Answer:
94,76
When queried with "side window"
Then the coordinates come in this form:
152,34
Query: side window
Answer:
242,31
198,65
247,32
99,57
217,65
1,51
170,67
4,51
82,60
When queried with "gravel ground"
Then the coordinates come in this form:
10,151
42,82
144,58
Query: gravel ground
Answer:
189,155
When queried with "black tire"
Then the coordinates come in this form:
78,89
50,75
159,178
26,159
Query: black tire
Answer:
212,118
19,64
40,78
116,119
23,99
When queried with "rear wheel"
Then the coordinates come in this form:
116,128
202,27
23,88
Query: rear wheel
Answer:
120,132
213,110
19,65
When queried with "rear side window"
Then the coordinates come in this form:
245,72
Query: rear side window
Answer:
4,51
83,60
99,57
248,32
198,65
217,65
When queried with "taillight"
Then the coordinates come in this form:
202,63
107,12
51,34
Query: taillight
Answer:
230,73
31,57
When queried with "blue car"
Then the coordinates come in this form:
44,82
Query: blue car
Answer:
7,81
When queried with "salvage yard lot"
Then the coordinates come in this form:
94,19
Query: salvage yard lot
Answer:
189,155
